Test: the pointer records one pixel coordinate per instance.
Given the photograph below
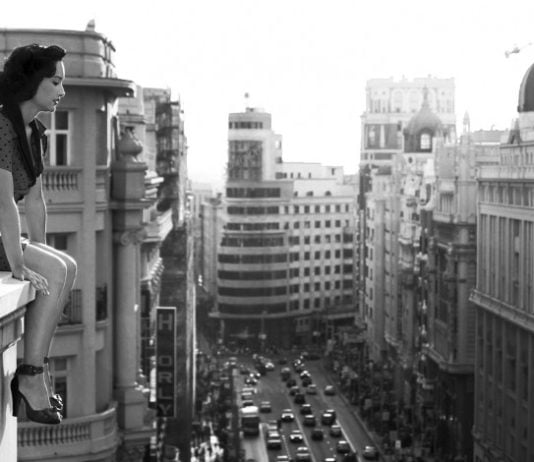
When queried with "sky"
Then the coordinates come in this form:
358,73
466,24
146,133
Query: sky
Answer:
304,61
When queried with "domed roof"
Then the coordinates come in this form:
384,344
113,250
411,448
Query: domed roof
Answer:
424,119
526,92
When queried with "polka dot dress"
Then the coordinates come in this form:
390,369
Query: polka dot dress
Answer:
11,160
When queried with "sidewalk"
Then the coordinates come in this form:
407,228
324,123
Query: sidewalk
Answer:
207,451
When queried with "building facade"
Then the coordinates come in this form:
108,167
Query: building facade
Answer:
286,268
504,298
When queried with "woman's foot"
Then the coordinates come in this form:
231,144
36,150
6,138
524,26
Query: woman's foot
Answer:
34,390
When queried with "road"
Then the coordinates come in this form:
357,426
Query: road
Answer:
271,388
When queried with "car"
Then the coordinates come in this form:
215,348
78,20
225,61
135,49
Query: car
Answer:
287,415
250,381
303,454
343,447
246,395
317,434
311,389
327,418
256,375
244,370
370,453
304,373
247,403
335,431
306,381
282,458
309,420
299,398
329,459
232,360
294,390
296,436
332,411
329,390
269,365
274,440
272,425
306,408
291,382
250,390
265,406
282,361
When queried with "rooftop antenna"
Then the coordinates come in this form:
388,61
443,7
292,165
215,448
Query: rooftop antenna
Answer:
246,96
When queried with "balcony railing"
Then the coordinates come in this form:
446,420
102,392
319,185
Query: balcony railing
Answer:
62,184
79,436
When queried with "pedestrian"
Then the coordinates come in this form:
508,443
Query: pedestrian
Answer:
31,83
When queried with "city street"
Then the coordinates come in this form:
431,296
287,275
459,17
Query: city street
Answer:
271,388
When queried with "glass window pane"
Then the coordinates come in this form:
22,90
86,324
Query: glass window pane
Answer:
62,120
61,149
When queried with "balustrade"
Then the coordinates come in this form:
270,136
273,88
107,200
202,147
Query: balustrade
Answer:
62,184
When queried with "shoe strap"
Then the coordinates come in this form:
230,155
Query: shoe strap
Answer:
28,369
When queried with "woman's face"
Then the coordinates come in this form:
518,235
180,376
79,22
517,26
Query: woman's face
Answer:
50,90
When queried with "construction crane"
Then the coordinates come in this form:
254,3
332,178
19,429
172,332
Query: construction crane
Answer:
516,49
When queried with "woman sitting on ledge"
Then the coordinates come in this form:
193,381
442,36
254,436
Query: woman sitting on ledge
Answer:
31,82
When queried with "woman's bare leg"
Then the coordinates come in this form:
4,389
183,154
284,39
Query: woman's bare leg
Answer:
40,320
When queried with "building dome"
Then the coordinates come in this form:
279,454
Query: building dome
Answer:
424,119
526,92
422,128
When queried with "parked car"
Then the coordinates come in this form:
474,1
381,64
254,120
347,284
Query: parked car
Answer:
317,434
329,390
287,415
296,436
370,453
343,447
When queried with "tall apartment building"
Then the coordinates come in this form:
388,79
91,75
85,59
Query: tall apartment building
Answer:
504,296
286,269
390,106
98,202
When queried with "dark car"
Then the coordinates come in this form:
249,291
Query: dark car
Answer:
306,381
299,398
309,420
317,434
343,447
306,408
294,390
327,418
370,453
329,390
291,382
265,406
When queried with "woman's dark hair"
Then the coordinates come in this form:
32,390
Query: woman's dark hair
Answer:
25,68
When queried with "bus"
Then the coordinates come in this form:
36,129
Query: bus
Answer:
250,421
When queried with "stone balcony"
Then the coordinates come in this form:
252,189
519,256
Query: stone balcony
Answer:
14,296
92,437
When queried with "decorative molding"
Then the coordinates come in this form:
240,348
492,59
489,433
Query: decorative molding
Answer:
130,236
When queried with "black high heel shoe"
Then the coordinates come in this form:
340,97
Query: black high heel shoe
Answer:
46,416
55,400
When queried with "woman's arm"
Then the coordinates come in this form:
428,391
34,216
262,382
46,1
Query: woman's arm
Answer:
35,208
10,230
10,224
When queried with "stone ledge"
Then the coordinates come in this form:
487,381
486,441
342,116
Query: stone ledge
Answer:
14,295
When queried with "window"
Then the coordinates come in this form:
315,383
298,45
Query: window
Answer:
58,240
425,141
59,137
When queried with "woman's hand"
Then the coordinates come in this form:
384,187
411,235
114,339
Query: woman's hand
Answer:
36,280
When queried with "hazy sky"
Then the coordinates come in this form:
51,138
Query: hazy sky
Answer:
304,61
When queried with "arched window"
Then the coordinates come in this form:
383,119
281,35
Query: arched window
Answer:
425,142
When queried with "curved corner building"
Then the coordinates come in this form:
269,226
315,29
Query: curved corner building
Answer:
285,269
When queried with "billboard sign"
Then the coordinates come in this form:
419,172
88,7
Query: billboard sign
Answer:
166,361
